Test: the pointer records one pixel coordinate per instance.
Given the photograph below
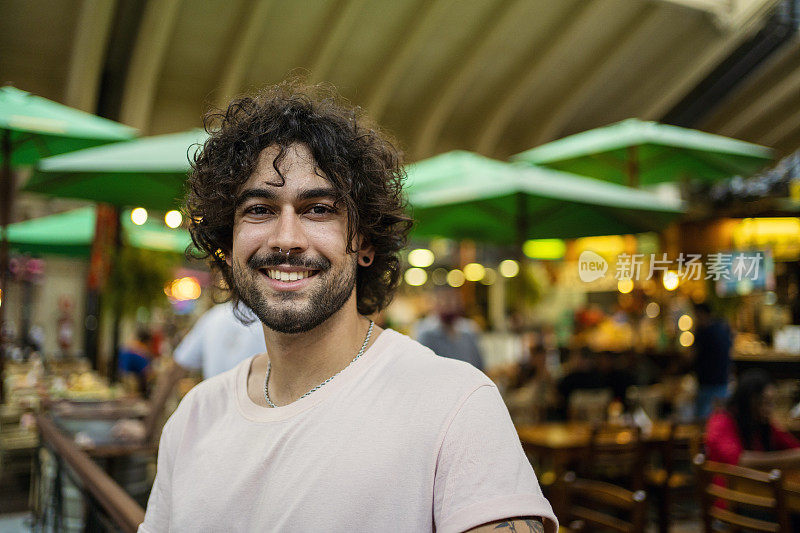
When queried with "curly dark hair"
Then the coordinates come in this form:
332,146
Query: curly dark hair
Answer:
359,160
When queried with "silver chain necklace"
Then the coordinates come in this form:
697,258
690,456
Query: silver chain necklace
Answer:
359,354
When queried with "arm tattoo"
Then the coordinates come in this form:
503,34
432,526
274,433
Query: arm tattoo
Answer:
534,525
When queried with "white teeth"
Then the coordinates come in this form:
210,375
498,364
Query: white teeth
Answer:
288,276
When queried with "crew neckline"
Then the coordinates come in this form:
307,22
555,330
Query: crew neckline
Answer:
258,413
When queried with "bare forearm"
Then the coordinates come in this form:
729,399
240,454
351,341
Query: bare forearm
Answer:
763,460
516,525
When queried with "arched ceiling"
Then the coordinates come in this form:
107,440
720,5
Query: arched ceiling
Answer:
494,76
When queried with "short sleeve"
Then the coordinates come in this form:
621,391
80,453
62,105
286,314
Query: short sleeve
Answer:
482,473
189,352
157,516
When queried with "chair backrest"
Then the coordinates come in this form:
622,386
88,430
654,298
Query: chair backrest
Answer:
600,506
681,448
741,497
615,452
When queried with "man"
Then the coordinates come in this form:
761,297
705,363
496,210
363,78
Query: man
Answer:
219,341
340,426
448,333
713,340
134,358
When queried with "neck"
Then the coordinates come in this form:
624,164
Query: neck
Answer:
301,361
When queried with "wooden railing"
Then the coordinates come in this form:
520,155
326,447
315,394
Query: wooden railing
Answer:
119,506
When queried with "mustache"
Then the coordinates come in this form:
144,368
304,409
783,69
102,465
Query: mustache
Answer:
257,262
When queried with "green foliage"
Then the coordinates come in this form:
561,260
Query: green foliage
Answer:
137,280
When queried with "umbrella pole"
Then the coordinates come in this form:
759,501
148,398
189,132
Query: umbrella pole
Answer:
6,190
115,343
522,227
633,166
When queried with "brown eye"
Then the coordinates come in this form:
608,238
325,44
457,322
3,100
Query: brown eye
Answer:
320,209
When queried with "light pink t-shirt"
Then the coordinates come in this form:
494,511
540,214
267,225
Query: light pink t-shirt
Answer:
401,440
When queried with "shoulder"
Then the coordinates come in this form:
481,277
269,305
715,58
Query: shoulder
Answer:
212,397
416,366
720,421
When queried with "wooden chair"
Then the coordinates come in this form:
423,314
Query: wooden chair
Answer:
616,455
598,506
673,474
749,500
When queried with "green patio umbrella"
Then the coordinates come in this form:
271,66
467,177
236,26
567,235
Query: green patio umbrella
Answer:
148,172
467,196
32,127
71,233
635,152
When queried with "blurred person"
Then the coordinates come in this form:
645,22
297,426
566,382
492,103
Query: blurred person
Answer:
592,371
447,332
219,341
340,425
134,358
713,340
743,432
579,375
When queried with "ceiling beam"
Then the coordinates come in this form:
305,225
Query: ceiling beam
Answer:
510,101
730,15
400,58
470,63
242,51
88,54
748,23
340,31
770,73
147,60
631,33
782,129
790,143
689,77
771,96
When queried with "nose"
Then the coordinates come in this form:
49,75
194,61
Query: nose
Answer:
288,235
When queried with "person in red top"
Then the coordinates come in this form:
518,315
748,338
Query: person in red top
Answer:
744,434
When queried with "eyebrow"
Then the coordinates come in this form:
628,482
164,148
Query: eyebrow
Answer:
269,194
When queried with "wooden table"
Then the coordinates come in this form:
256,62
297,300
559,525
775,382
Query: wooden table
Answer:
562,443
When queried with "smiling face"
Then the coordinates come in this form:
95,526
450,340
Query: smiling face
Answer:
289,259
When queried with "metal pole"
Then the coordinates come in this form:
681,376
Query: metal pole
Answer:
6,191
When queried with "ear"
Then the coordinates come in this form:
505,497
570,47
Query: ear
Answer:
366,254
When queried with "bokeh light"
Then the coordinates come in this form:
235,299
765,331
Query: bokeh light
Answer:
416,277
489,276
671,280
474,271
686,339
439,276
173,219
421,257
509,268
685,323
652,309
455,278
182,289
139,216
625,285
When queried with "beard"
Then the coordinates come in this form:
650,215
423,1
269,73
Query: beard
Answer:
293,311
